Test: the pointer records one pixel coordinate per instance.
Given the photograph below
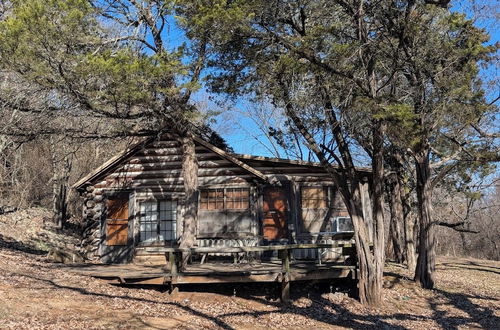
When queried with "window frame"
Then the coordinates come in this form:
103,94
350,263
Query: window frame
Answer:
326,190
158,231
336,223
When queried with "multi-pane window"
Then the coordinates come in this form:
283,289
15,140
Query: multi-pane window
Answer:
314,197
225,199
224,212
315,210
168,220
158,221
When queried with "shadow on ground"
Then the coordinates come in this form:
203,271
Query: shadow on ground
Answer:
320,308
467,312
11,244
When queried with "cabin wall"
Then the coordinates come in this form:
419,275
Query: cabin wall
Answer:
92,214
154,173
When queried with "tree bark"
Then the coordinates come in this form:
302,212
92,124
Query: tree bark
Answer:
347,180
409,220
368,282
190,176
61,168
376,277
396,233
410,249
370,278
426,261
60,206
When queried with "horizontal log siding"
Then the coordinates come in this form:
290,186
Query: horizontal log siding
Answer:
158,168
157,171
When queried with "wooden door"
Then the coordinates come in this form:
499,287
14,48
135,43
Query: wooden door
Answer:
274,209
117,221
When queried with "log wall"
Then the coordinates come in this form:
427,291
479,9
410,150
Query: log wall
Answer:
155,172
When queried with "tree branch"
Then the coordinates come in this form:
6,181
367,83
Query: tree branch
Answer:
457,224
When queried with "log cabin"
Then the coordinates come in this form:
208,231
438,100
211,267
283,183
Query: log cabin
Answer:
134,201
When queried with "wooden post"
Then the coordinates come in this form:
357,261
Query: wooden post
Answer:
285,281
173,260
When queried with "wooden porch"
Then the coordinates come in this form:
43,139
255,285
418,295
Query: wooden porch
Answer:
282,270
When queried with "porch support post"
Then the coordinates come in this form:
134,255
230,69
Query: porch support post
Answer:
173,259
285,280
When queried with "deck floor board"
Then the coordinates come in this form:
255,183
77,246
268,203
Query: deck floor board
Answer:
210,272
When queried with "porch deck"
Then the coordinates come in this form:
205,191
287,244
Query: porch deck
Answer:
281,271
270,271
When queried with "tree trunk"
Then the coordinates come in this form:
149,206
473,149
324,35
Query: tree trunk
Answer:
410,249
409,220
60,206
61,169
396,233
378,212
370,263
426,261
190,176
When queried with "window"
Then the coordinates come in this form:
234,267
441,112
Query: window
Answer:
343,224
322,208
314,197
315,210
117,221
224,212
158,221
225,199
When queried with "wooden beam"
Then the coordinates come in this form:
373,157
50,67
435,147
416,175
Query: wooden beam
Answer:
111,163
250,248
291,161
236,161
193,279
285,282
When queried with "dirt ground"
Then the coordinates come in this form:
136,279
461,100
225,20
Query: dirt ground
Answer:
38,294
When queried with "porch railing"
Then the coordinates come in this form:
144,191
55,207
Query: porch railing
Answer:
174,255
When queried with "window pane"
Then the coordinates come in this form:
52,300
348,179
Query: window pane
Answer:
344,224
167,221
212,199
148,221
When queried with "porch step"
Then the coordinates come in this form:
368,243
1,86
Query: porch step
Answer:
149,259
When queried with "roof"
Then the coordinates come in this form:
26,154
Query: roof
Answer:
237,159
111,163
292,161
121,156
